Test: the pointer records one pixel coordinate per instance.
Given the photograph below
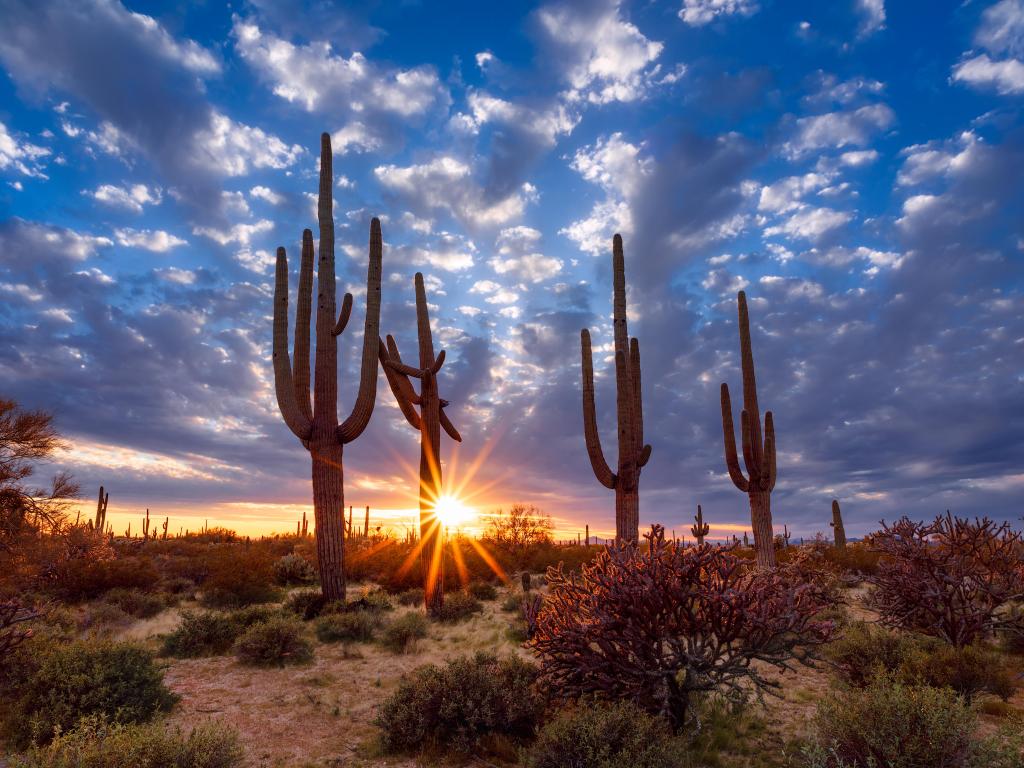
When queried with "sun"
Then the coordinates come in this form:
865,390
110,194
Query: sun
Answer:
452,512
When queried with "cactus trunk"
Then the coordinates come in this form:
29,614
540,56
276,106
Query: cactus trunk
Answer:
837,524
328,500
761,520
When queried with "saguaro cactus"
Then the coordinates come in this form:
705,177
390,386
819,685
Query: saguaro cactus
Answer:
316,424
101,511
837,523
429,420
366,523
633,454
699,529
758,456
145,526
167,521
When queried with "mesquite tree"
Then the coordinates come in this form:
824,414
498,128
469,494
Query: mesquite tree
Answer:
758,456
655,624
429,420
949,578
316,424
633,454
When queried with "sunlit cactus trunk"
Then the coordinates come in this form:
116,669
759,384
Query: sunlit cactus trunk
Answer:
429,420
316,423
758,455
837,524
633,454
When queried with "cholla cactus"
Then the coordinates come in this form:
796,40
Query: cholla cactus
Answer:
633,454
316,424
837,523
429,420
758,455
700,529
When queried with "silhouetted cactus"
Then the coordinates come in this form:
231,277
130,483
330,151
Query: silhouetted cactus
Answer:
145,526
837,523
167,521
700,529
429,420
758,455
633,454
101,512
316,424
366,523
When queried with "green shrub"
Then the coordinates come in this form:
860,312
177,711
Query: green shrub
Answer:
135,602
102,619
401,634
457,705
355,626
294,569
482,590
619,735
94,743
275,642
865,649
88,579
457,606
412,596
238,577
376,600
513,603
896,725
306,603
206,633
51,685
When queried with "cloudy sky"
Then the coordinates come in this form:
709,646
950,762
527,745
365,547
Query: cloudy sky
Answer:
855,166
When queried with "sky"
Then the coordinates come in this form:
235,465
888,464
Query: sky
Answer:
856,167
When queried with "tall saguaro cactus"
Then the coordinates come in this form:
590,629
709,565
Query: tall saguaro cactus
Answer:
699,529
101,512
837,523
316,424
633,454
429,420
758,455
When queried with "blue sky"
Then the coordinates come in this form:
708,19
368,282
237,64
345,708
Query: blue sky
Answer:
854,166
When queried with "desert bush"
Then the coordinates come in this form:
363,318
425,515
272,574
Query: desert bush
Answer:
412,597
135,602
512,603
458,606
354,626
238,577
82,579
178,585
294,569
949,578
401,634
893,724
724,617
482,590
53,685
307,603
857,558
275,642
212,633
100,618
864,650
95,743
607,735
459,704
374,600
1011,634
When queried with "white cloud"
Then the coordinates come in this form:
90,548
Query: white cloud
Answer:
839,129
355,137
484,286
547,124
132,198
238,233
697,13
20,155
810,223
516,256
1002,28
858,157
593,234
1001,32
469,311
179,276
872,16
785,195
267,194
258,261
189,54
234,148
929,161
1006,76
155,240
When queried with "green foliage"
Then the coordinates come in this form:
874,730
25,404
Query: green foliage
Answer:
602,735
275,642
52,685
890,723
88,579
307,603
412,596
294,569
354,626
238,577
457,705
97,744
457,607
400,635
483,590
135,602
211,633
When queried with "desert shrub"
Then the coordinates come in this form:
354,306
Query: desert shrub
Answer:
95,743
412,596
178,585
512,603
275,642
857,558
893,724
135,602
307,603
54,685
294,569
607,735
81,579
949,578
238,577
102,618
205,633
522,529
374,600
1011,634
864,650
354,626
482,590
457,607
459,704
724,616
401,634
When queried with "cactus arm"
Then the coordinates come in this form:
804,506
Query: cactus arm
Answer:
453,433
284,386
423,324
354,425
638,407
395,380
768,483
343,316
731,459
303,311
602,471
644,457
405,370
749,381
407,390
